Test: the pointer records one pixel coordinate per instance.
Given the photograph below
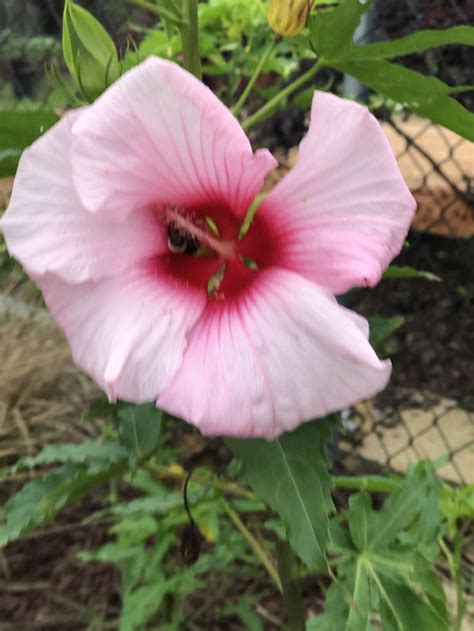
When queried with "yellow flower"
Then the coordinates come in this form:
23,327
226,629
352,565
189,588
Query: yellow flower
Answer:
288,17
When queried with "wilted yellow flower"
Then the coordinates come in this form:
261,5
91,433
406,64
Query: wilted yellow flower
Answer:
288,17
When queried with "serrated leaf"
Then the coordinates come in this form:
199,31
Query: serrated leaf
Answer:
397,271
89,51
402,609
136,529
428,525
414,43
400,510
383,563
40,500
455,504
360,510
430,583
290,475
18,130
347,602
139,605
154,505
140,429
86,452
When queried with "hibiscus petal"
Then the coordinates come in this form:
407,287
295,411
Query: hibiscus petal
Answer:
128,332
280,353
342,213
159,135
48,230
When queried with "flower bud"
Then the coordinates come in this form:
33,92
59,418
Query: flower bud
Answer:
89,51
288,17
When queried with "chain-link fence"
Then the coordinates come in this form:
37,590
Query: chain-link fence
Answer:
427,410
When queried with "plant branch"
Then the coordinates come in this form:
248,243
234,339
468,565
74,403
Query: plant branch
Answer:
454,562
370,483
253,543
248,88
177,473
461,602
189,37
288,571
268,108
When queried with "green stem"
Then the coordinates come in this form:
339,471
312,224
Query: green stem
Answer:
461,603
254,77
288,571
454,564
173,17
370,483
174,6
189,37
268,108
176,473
253,543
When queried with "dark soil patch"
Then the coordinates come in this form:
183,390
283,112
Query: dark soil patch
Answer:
43,585
435,344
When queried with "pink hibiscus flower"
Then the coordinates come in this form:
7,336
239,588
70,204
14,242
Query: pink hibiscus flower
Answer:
125,210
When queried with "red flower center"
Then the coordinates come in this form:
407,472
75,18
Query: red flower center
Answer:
206,251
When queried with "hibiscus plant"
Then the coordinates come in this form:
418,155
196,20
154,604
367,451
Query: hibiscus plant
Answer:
188,294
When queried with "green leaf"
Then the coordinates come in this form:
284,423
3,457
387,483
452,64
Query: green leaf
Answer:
159,505
396,271
382,328
348,601
83,453
332,35
428,525
140,429
402,609
385,563
245,611
89,51
400,510
206,515
360,508
456,504
290,475
414,43
17,131
428,580
332,31
426,96
41,499
139,605
134,529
